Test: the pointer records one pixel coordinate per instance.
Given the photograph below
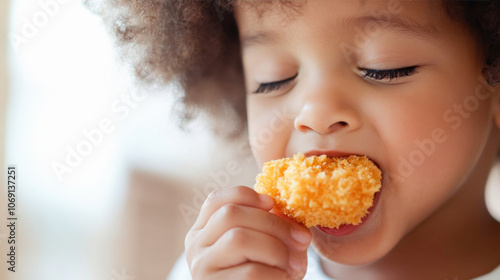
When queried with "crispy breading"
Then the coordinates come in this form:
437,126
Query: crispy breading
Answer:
321,191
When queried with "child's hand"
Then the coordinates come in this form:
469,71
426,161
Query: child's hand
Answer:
236,237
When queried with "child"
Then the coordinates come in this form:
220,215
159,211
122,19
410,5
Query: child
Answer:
413,85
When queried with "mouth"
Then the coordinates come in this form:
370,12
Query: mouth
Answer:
346,229
335,154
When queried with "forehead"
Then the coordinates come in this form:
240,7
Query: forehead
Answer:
266,22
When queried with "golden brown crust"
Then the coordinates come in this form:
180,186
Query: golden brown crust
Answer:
321,191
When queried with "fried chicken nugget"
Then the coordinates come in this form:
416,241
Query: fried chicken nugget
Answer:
321,191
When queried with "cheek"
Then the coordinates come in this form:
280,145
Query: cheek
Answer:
269,127
433,143
435,124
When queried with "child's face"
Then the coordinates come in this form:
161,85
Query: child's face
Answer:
426,127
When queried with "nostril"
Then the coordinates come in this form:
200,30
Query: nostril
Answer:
338,125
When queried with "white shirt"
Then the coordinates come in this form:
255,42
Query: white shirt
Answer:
180,271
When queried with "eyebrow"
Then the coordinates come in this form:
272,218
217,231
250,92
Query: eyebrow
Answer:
261,38
404,26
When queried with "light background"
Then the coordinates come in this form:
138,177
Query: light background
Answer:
117,214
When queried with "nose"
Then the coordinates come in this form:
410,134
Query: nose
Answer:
327,112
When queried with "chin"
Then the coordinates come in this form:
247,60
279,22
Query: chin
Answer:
353,251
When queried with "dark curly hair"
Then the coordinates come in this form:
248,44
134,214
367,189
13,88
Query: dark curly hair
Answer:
195,43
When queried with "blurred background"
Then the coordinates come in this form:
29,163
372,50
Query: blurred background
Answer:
107,184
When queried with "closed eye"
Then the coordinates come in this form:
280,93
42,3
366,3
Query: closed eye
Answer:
273,86
388,74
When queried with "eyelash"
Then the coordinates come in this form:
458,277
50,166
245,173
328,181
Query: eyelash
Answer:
370,73
389,73
272,86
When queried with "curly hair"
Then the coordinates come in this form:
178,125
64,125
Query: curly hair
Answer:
195,43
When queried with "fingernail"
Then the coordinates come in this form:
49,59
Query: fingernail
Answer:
301,236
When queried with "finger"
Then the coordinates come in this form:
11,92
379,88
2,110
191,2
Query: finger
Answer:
276,212
240,245
237,195
298,263
251,271
237,216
